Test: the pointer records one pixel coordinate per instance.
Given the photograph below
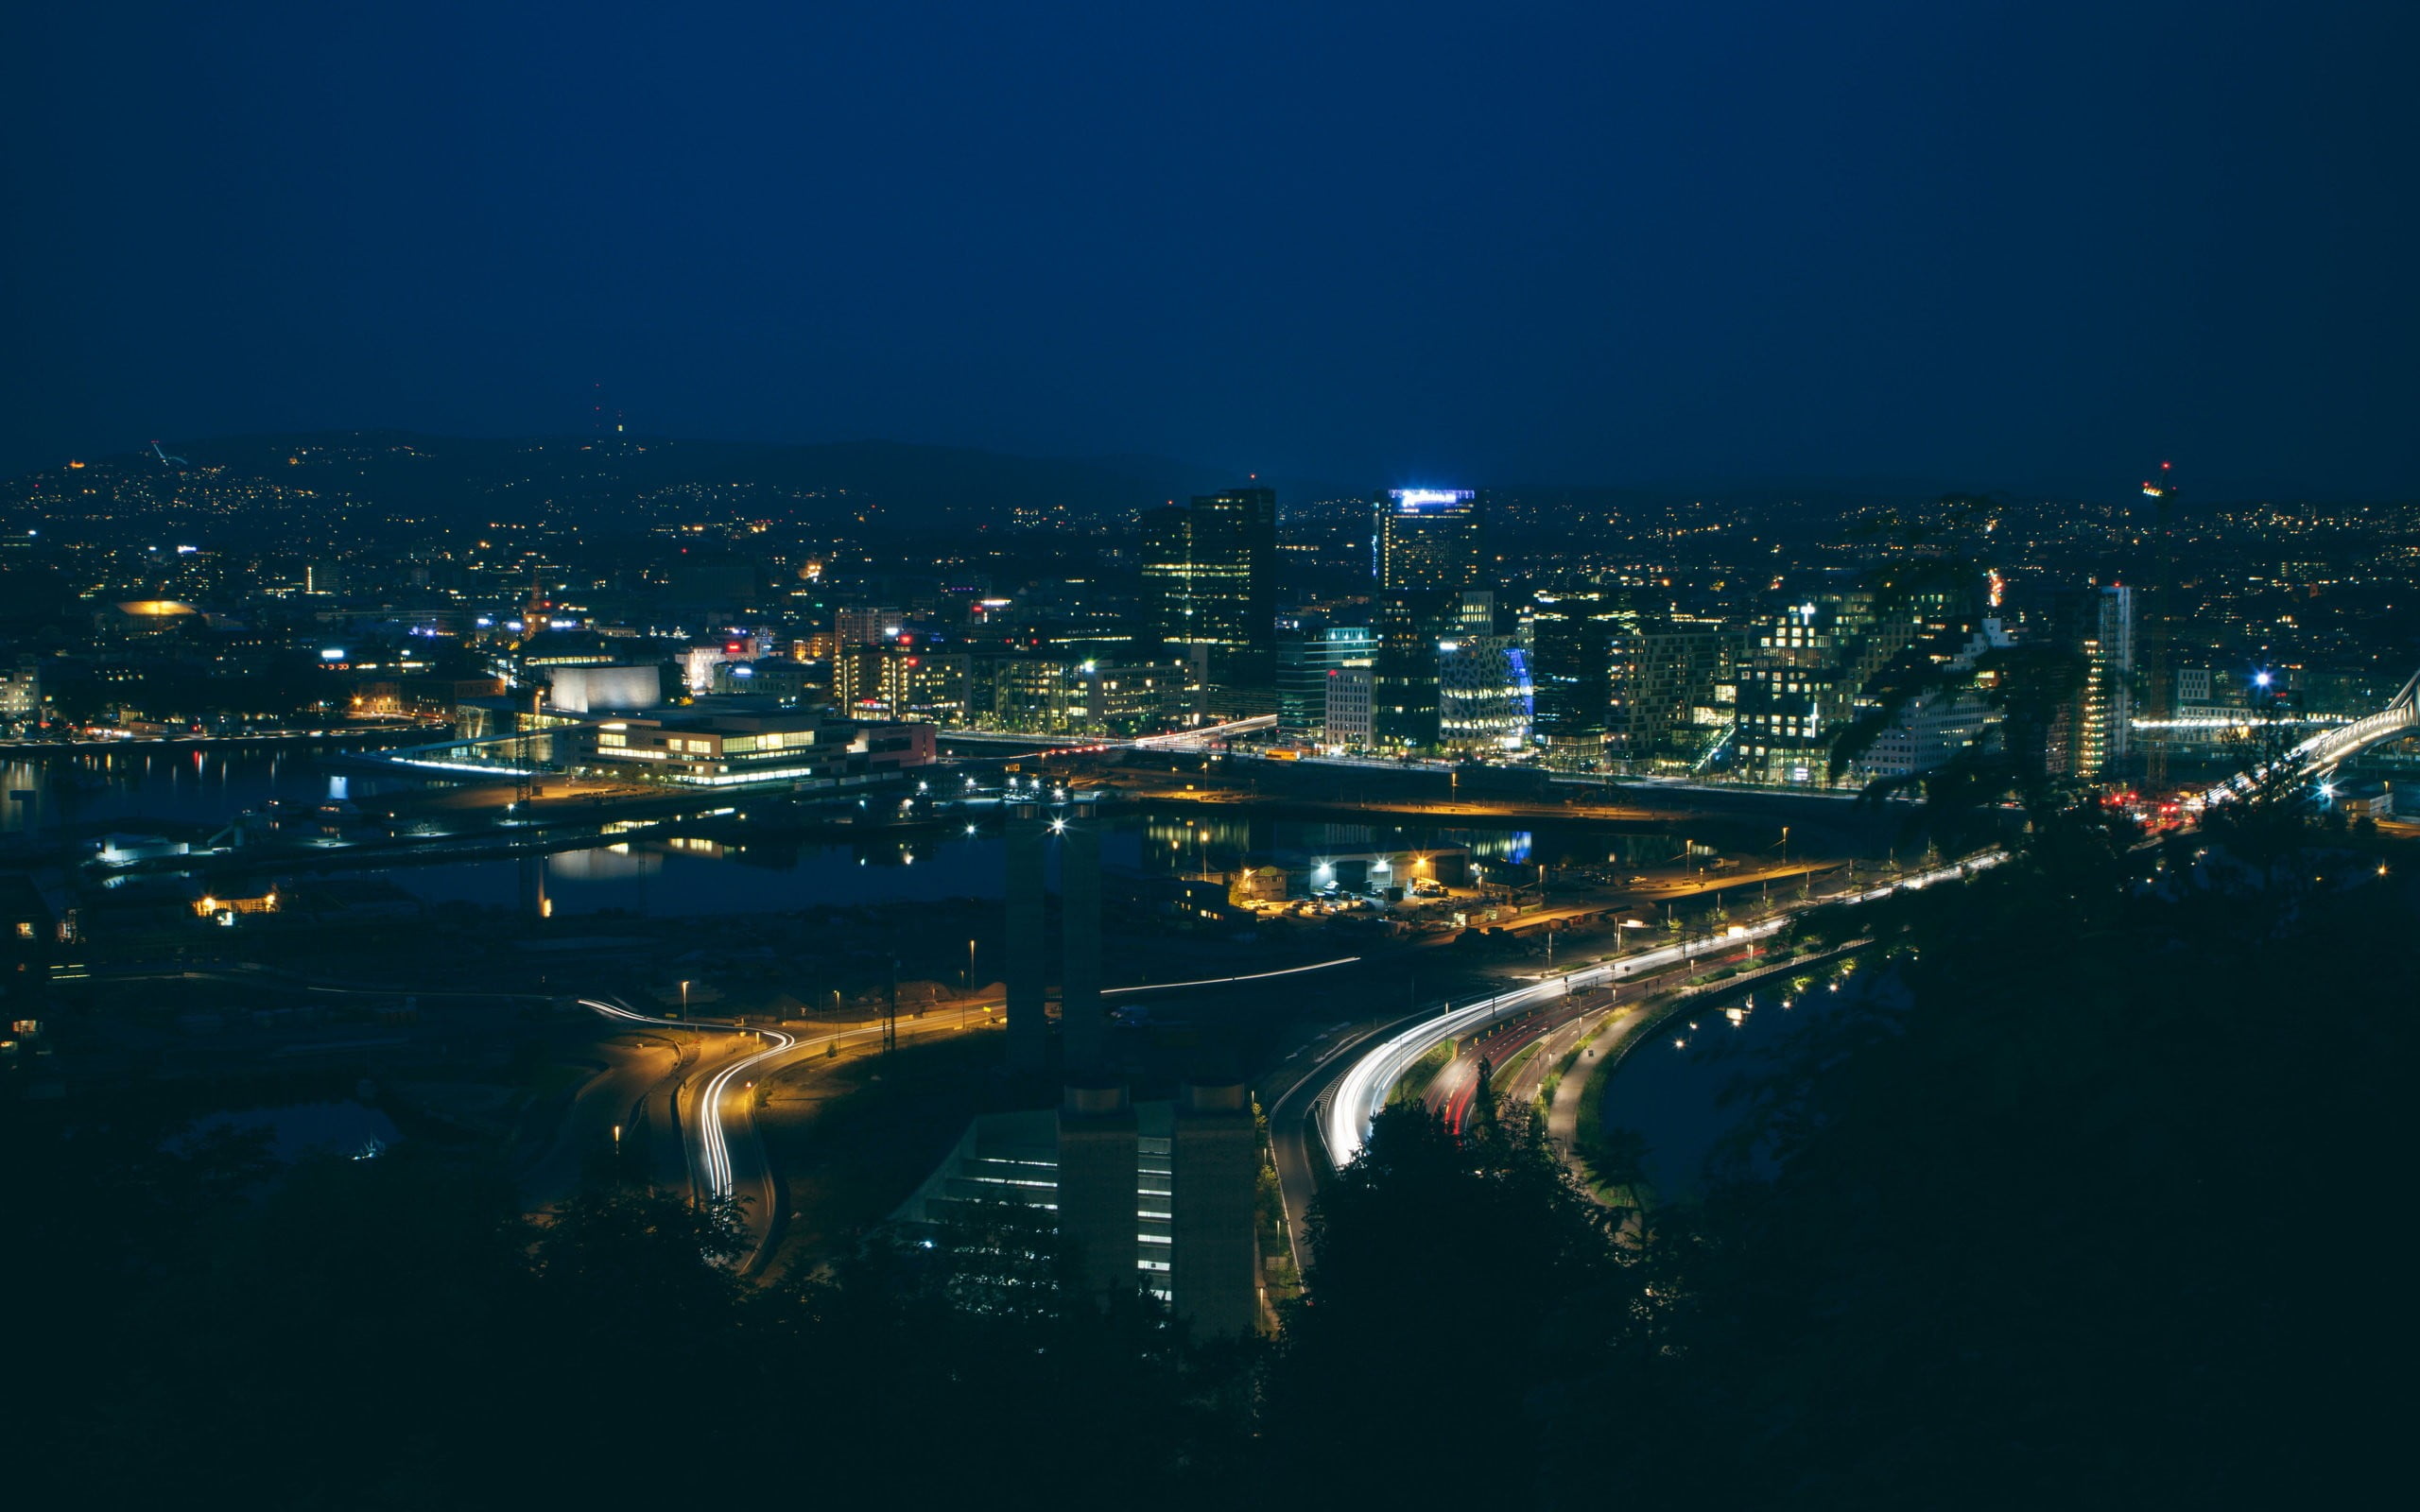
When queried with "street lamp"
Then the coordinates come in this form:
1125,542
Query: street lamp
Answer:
684,1000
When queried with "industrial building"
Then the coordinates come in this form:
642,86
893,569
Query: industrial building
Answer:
1151,1196
1156,1194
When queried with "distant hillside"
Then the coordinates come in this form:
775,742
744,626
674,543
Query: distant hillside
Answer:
231,481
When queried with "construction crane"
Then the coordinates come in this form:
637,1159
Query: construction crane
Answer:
165,460
2159,691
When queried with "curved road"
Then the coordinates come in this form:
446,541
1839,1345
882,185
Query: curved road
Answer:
722,1153
1349,1081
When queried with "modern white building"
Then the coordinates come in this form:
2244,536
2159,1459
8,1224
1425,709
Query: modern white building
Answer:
1939,725
598,689
1345,724
1484,695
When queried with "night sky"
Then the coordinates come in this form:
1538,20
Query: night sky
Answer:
2034,247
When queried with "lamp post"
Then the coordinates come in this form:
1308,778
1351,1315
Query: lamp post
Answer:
684,1000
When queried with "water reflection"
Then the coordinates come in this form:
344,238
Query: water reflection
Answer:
188,786
612,863
738,871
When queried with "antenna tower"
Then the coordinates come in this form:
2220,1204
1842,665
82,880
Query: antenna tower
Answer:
2160,691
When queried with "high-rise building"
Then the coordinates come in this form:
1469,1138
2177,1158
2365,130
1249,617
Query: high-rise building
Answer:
867,625
1345,721
1568,670
1403,668
1302,665
1212,567
1430,558
1665,680
2099,623
902,682
1430,540
1805,664
1483,695
21,692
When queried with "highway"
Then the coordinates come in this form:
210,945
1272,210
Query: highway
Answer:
1555,1030
1349,1080
710,1139
606,1100
721,1151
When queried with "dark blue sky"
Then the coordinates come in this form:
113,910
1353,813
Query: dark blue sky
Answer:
2028,246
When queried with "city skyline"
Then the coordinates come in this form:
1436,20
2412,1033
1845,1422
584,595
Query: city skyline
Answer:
1575,754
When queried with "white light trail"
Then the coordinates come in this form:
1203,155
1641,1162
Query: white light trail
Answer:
714,1146
1185,737
1362,1091
1214,981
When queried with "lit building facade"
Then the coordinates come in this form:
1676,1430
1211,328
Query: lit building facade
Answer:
1429,559
1045,696
901,681
1670,690
725,750
1936,727
1211,568
20,693
1302,666
1346,721
1805,665
1430,540
1483,695
2099,624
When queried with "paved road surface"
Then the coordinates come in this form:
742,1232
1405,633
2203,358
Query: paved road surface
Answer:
1351,1098
712,1101
609,1099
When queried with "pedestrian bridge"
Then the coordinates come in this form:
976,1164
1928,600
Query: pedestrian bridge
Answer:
2336,744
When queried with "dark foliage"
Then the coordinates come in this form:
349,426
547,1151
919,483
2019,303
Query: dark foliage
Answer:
389,1333
1443,1270
2096,1201
2099,1211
